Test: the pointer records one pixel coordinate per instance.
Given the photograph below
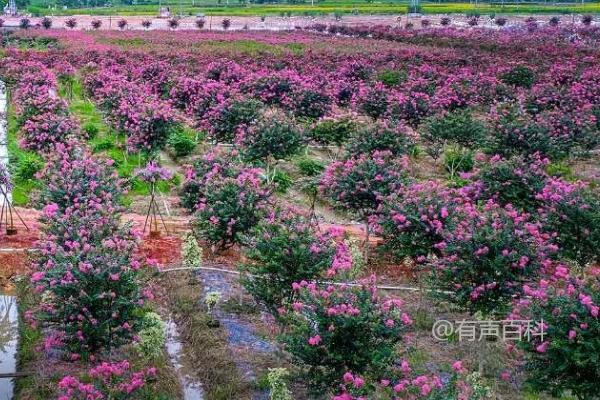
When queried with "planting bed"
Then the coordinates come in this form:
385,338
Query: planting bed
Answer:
289,215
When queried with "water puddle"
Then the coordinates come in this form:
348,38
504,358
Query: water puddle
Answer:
191,390
239,332
8,343
241,335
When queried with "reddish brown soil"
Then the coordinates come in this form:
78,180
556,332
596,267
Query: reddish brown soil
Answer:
165,249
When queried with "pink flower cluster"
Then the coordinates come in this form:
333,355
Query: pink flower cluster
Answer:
153,173
109,381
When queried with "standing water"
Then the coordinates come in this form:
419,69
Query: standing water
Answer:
191,389
8,343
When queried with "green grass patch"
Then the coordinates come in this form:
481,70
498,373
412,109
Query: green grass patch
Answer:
80,106
246,47
23,164
105,141
30,43
203,343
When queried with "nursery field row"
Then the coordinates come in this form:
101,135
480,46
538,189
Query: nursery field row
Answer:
462,162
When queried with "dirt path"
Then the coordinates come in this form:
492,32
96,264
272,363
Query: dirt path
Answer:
15,250
274,23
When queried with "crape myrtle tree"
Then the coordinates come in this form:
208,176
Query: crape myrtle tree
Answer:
565,358
360,183
284,248
86,273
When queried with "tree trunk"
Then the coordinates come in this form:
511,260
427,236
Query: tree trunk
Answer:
368,234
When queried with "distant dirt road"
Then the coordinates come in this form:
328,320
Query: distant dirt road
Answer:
270,22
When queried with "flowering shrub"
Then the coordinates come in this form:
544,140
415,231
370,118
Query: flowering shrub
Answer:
310,103
406,384
458,128
555,133
46,23
500,21
374,101
228,208
38,101
213,166
153,173
587,20
381,137
516,181
73,176
24,23
335,329
173,23
573,212
415,218
360,183
96,23
273,137
566,358
275,89
86,267
43,131
329,131
487,257
71,23
109,381
5,180
283,249
147,124
231,117
411,108
514,132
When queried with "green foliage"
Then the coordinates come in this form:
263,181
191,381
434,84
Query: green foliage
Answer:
519,75
152,336
457,127
332,131
27,165
392,77
381,137
90,130
277,378
182,141
283,181
191,252
457,160
310,167
103,144
274,137
282,252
